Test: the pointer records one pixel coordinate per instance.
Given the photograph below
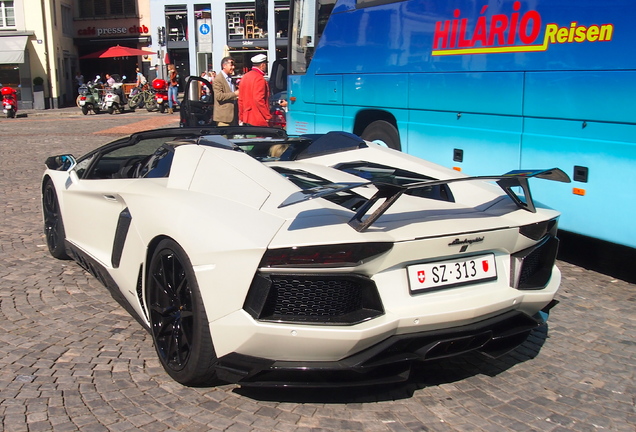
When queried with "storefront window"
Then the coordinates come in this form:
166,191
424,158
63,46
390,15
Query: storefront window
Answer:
281,19
7,15
10,76
241,22
177,23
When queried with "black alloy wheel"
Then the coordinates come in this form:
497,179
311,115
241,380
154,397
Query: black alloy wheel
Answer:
178,320
53,226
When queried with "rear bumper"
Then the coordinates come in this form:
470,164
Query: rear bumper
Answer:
388,361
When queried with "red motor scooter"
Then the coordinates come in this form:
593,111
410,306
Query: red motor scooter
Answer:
9,102
161,95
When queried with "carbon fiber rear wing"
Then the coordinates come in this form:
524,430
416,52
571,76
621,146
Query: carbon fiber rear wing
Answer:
390,192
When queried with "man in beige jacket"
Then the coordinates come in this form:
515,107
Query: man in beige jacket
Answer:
225,95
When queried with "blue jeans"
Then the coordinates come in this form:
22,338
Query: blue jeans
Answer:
172,95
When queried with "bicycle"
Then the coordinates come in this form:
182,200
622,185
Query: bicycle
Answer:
140,97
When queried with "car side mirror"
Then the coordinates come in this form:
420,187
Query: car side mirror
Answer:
61,162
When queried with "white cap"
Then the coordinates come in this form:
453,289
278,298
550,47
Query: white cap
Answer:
259,58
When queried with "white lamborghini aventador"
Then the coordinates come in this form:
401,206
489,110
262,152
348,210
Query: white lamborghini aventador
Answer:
262,259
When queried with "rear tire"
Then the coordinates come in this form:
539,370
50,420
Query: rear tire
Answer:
84,110
178,321
151,105
383,133
53,225
111,109
162,108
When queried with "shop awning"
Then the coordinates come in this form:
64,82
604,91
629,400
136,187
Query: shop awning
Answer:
12,49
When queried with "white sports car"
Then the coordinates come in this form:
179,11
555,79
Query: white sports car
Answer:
315,260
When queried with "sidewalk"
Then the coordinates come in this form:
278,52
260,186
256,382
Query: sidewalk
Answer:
73,111
47,112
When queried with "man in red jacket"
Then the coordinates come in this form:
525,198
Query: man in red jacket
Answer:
254,97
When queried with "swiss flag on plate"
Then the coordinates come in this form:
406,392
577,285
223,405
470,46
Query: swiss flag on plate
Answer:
421,276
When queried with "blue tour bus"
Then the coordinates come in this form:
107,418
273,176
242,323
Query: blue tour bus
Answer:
484,87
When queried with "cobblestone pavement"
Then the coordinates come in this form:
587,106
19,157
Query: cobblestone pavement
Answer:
72,359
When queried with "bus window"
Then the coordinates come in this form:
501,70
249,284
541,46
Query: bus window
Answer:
310,18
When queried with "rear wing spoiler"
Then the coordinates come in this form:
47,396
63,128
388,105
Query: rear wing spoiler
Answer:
390,192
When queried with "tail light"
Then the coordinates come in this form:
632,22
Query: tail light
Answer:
83,98
338,255
539,230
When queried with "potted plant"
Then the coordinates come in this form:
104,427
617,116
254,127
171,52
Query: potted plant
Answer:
38,84
38,93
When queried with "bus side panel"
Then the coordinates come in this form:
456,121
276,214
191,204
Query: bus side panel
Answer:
301,118
493,93
377,90
582,95
489,144
328,98
607,151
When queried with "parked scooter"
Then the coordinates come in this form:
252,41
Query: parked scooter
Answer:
161,96
279,114
9,101
90,98
114,97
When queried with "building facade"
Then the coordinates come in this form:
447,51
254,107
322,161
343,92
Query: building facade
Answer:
37,50
101,24
44,43
199,34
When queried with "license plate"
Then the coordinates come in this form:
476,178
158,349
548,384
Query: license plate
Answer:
447,274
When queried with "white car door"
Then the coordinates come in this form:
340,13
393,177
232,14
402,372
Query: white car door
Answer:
93,206
92,212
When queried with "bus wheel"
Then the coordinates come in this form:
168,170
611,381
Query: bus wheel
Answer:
383,133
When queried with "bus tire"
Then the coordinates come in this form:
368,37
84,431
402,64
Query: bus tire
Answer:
384,133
